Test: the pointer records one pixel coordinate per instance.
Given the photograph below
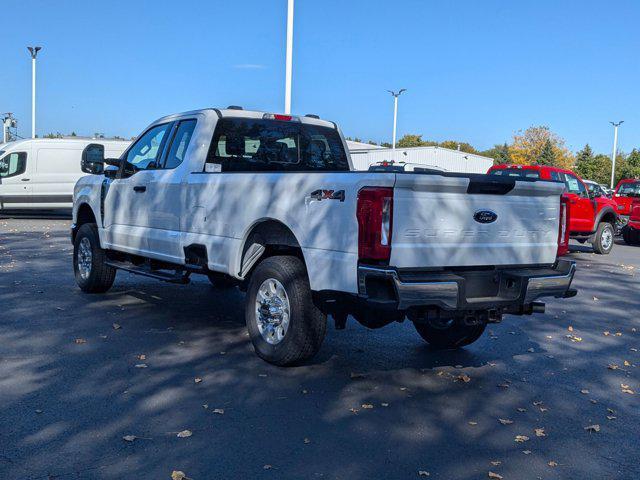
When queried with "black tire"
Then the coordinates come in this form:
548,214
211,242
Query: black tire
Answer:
630,236
100,276
456,335
603,239
307,324
222,282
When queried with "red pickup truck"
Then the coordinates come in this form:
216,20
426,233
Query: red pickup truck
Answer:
631,231
592,217
624,193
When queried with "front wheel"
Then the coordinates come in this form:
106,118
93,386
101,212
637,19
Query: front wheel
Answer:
449,335
92,273
603,240
284,325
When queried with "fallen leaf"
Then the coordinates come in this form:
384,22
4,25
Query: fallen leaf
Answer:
473,423
610,417
627,363
530,350
495,475
521,438
178,475
552,464
384,404
142,357
219,411
423,473
141,365
592,428
618,334
307,441
505,421
464,377
495,463
116,326
570,328
584,391
606,334
353,410
267,467
184,434
80,341
539,402
521,409
129,438
595,299
613,366
197,380
539,432
367,406
527,452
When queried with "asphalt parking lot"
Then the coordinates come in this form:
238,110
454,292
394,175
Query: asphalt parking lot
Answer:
149,360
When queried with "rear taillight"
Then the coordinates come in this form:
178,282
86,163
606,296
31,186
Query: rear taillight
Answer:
563,227
375,223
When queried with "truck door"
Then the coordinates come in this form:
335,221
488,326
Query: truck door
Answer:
15,186
582,210
126,204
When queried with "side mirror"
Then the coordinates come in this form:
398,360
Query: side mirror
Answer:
93,159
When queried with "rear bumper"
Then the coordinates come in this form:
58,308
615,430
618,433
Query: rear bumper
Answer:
509,289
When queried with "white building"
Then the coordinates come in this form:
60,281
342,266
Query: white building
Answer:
363,155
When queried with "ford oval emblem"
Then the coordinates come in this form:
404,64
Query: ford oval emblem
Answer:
485,216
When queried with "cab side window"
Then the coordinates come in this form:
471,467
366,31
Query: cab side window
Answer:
146,153
574,185
13,164
179,144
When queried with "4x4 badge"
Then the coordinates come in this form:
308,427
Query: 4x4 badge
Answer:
328,195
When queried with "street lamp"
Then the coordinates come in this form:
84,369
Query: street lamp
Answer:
395,115
289,59
615,148
34,53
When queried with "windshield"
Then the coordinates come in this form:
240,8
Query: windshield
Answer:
629,189
516,172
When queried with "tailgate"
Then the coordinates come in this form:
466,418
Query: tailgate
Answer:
434,224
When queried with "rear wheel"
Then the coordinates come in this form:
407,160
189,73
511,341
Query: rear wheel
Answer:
284,325
603,241
630,236
443,335
92,273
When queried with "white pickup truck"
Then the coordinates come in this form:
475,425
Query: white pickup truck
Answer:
270,203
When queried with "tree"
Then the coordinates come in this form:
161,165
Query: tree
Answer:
527,147
630,168
547,155
499,153
453,145
73,134
411,140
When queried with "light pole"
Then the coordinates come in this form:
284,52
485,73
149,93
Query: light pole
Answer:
615,148
395,115
289,60
34,53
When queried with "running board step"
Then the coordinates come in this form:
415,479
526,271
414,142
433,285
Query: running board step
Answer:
145,271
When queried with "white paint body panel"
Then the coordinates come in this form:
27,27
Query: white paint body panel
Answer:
186,206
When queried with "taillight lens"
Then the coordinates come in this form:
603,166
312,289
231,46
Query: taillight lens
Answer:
563,227
375,223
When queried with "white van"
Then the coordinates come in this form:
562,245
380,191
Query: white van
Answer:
40,173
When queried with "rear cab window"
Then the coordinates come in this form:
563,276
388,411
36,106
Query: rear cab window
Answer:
574,185
516,172
265,145
631,189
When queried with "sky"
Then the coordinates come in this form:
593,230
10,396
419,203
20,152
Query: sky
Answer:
475,71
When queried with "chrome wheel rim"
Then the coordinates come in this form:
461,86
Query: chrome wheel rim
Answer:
607,239
84,258
272,311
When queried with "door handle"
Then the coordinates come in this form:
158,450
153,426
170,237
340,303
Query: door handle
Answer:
139,188
25,179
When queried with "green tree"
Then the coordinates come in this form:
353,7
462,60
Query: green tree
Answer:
411,140
499,153
547,155
630,168
453,145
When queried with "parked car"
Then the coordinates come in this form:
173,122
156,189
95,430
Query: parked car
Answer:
268,202
592,216
624,193
41,173
596,190
631,231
